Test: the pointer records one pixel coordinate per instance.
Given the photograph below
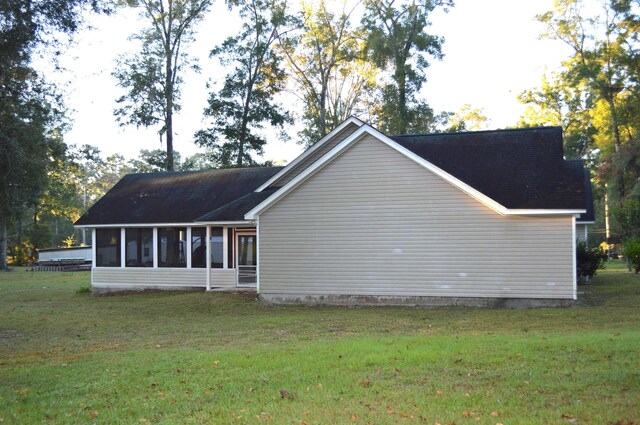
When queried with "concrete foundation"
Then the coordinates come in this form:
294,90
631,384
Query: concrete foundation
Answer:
371,300
125,289
128,289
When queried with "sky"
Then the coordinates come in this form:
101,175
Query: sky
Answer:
492,53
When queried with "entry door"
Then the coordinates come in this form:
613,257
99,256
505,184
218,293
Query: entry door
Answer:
246,258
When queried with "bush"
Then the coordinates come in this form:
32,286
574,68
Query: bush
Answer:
589,260
632,252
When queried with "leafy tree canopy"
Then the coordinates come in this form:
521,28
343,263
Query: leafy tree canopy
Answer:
152,78
247,99
397,40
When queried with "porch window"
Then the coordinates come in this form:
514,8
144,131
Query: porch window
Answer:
172,243
107,247
139,247
216,248
198,247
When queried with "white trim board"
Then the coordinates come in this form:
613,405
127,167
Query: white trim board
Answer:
364,130
189,224
315,147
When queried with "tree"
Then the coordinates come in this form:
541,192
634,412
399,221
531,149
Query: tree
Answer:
152,77
627,215
468,119
29,147
30,111
561,102
397,40
247,98
155,161
326,61
602,48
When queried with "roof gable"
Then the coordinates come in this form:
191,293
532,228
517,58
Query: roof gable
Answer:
542,207
173,197
311,155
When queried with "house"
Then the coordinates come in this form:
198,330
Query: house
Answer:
477,218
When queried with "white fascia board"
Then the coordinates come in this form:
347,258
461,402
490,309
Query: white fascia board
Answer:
544,212
186,224
224,223
316,146
366,129
98,226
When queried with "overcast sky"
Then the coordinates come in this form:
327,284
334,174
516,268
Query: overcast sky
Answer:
492,53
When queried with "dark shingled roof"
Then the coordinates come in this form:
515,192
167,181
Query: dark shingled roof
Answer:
519,168
174,197
236,210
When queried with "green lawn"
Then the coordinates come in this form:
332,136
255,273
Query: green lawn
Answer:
69,357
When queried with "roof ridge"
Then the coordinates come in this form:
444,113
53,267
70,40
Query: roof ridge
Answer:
499,130
208,170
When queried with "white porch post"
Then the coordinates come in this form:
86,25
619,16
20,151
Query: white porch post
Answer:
208,257
258,255
93,247
225,247
189,248
123,247
156,249
574,255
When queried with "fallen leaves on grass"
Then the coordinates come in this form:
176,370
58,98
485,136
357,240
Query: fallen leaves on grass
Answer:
288,395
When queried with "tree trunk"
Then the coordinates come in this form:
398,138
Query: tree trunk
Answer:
401,79
168,93
607,231
244,123
19,257
323,108
619,173
84,205
402,106
3,245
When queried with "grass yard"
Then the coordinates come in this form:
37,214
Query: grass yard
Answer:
69,357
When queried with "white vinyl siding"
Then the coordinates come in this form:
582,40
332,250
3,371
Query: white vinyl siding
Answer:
140,278
314,156
581,232
373,222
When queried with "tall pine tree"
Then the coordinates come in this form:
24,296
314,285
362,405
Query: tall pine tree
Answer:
246,100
